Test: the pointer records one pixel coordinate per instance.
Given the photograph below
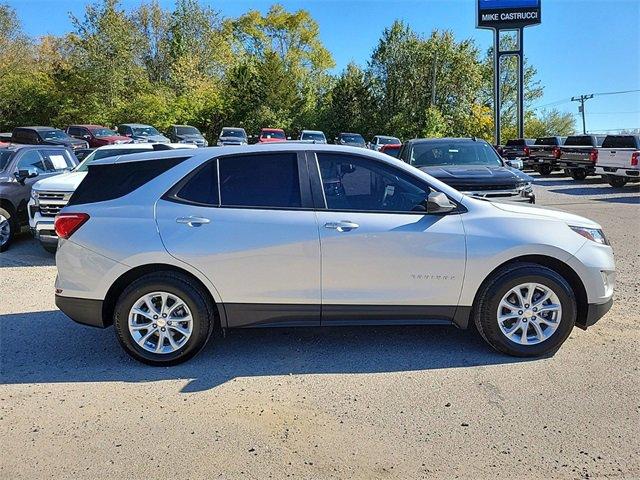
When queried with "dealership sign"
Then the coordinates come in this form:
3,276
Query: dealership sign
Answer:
506,14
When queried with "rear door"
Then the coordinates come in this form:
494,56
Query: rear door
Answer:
247,223
384,259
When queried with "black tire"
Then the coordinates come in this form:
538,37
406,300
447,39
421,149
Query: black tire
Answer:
491,293
202,312
567,172
545,170
51,248
616,181
579,174
11,220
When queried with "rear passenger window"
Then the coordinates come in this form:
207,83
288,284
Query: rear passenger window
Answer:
202,187
267,180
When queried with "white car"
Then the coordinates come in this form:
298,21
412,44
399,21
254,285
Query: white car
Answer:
618,160
313,136
379,141
167,246
49,195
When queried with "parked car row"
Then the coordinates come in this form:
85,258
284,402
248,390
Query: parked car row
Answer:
614,157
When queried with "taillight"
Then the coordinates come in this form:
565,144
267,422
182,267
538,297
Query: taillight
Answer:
67,223
527,151
593,156
556,152
634,159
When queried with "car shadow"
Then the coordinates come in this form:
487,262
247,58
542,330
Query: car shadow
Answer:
558,181
25,251
579,190
47,347
635,200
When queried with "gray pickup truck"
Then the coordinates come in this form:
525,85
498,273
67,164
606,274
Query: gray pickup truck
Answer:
543,154
20,167
579,154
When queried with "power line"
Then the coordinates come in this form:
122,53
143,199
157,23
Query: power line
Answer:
599,94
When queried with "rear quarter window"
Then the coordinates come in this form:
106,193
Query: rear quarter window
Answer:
108,182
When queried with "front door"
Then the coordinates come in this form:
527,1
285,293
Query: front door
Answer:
246,222
384,259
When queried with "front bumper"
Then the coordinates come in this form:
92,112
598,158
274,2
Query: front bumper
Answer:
82,310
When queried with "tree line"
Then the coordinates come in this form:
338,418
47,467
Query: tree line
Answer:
192,65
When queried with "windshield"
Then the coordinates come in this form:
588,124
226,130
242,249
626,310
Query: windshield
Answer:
317,136
144,131
5,156
232,132
103,132
388,140
187,131
453,153
272,134
107,152
54,135
351,138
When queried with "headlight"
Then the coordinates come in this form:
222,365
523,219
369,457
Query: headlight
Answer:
593,234
34,194
220,143
206,144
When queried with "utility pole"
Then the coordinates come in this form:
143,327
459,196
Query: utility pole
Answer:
582,99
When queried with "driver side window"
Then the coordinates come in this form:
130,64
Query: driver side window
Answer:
354,183
31,159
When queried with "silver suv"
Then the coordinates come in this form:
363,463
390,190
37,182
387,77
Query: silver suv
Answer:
191,242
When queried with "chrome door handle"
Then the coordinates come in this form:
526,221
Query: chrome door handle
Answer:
192,221
342,226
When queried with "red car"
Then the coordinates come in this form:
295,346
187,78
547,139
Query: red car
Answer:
392,149
96,135
271,135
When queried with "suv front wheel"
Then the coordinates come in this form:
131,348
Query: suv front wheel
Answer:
526,310
163,319
7,229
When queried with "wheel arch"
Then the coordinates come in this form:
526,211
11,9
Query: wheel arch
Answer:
558,266
118,286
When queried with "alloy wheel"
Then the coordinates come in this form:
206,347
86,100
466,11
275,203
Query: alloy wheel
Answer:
5,230
529,313
160,322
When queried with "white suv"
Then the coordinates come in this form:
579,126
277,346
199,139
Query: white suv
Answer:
168,245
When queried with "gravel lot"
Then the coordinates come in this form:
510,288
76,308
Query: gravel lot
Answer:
418,402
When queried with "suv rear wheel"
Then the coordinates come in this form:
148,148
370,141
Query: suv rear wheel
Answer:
526,310
163,319
7,229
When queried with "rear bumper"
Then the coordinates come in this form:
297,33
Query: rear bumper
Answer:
618,172
82,310
594,313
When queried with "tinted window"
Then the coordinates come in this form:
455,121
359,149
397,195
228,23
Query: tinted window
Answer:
579,140
354,183
273,134
260,181
387,140
547,141
187,130
351,138
54,135
107,182
518,142
31,159
230,132
393,151
439,153
202,186
317,136
621,141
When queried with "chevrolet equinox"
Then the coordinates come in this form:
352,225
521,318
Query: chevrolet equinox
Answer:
185,244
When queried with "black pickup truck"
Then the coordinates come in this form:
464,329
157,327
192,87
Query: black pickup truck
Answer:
543,154
579,154
516,148
469,165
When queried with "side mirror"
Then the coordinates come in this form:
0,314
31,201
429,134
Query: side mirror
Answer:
86,136
22,175
508,163
437,202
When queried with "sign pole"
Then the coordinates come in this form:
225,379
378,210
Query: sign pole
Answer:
521,83
496,85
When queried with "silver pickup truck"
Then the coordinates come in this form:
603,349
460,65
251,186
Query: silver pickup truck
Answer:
619,159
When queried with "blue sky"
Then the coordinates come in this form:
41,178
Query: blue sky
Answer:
587,46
